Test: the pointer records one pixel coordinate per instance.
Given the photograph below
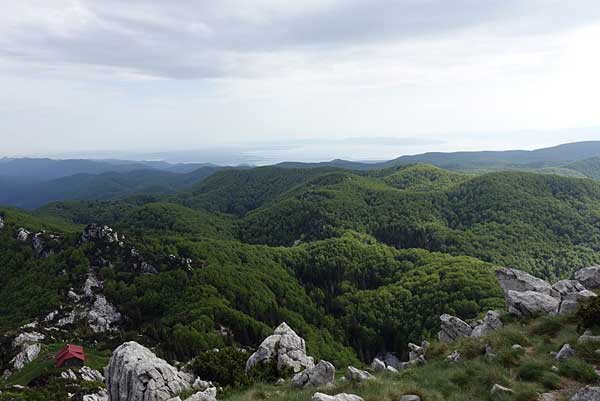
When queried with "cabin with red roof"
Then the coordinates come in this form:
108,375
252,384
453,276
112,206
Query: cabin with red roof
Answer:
71,355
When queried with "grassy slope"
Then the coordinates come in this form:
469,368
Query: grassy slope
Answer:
527,373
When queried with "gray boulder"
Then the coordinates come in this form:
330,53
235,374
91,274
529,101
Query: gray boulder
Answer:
453,328
529,303
589,393
410,397
520,281
338,397
357,375
102,315
322,374
1,223
588,336
378,365
589,277
501,391
565,352
134,373
490,322
286,348
570,302
567,287
101,395
22,234
454,357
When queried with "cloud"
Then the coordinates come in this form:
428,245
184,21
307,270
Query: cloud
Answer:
226,38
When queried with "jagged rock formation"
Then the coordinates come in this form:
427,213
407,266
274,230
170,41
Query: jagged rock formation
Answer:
97,232
284,347
338,397
589,277
101,395
206,395
28,346
490,322
565,352
322,374
378,365
134,373
527,295
85,372
22,234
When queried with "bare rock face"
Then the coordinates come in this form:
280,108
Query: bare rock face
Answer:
565,352
101,395
530,303
286,348
570,302
589,277
102,315
520,281
22,234
134,373
453,328
322,374
589,393
338,397
490,322
28,345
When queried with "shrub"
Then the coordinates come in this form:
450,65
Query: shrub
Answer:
579,370
548,325
531,371
588,315
225,367
550,380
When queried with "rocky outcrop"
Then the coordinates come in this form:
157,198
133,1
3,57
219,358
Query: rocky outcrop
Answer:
356,375
453,328
588,336
338,397
520,281
99,233
101,395
589,277
1,223
134,373
28,346
102,316
529,303
322,374
490,322
284,347
589,393
570,302
378,365
209,394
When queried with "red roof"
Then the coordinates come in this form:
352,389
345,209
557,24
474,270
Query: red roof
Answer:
69,352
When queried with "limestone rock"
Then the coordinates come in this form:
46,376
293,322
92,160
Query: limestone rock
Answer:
589,393
565,352
453,328
357,375
1,223
286,348
28,346
22,234
378,365
97,232
498,390
454,357
589,277
322,374
588,336
567,287
570,302
410,397
338,397
520,281
490,322
134,373
528,303
101,395
103,315
90,375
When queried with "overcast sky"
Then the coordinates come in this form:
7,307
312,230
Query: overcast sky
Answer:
395,76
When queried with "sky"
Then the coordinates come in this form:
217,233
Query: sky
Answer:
309,80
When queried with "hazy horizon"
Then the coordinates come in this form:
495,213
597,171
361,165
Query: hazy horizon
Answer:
271,81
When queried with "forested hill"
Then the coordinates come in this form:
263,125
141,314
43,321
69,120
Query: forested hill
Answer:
542,223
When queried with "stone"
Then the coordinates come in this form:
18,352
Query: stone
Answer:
28,346
102,315
517,348
1,223
520,281
565,352
588,336
490,322
22,234
570,302
410,397
589,277
338,397
391,369
322,374
454,357
134,373
529,303
390,360
489,352
567,287
415,351
99,233
588,393
356,375
101,395
378,365
280,382
286,348
498,390
209,394
68,375
453,328
90,375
